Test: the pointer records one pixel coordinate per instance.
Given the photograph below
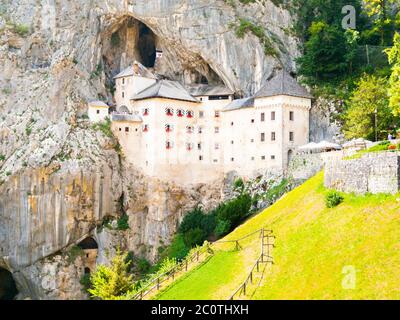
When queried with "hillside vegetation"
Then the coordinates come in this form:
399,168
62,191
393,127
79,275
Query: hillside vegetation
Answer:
315,249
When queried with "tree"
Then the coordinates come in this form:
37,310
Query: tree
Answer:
383,19
327,53
394,81
359,120
113,282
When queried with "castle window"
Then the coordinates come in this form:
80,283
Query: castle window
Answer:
200,130
146,111
180,113
273,136
262,157
120,129
232,142
169,112
145,128
231,123
126,129
123,94
252,158
232,159
291,115
199,146
98,111
216,114
168,145
216,146
252,120
87,270
262,137
272,157
123,80
262,117
189,146
216,129
168,128
215,160
189,129
200,158
272,115
201,114
291,136
189,113
252,140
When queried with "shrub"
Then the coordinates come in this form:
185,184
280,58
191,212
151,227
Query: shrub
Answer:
238,185
222,228
85,282
333,199
123,222
2,157
234,210
143,265
177,249
21,29
194,237
104,127
74,253
198,219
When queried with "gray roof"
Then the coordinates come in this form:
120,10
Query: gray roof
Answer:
129,71
240,104
165,89
283,84
197,90
98,103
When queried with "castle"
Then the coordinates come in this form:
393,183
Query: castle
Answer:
198,133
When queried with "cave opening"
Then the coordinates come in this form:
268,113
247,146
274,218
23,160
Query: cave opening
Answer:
8,287
88,243
147,46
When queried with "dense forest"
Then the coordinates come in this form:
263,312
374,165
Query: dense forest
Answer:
357,68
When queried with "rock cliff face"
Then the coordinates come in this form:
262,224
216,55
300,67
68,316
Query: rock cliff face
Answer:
60,176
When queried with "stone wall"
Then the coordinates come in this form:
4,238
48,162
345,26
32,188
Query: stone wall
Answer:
374,173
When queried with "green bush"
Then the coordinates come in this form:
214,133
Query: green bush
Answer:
333,199
2,157
85,282
222,228
74,253
104,127
238,185
123,222
198,219
235,210
143,265
177,249
194,237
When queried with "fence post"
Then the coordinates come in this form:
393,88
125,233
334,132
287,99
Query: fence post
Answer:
257,265
244,288
197,256
262,245
251,277
158,283
186,265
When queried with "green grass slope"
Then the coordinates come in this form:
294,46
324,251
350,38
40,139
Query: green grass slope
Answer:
316,248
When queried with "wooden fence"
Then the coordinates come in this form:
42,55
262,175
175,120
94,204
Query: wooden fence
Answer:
205,251
265,257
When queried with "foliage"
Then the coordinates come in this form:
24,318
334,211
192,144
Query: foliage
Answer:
381,146
85,282
246,26
327,54
394,82
115,39
238,185
21,29
104,127
359,119
123,222
113,282
223,227
177,249
333,199
235,210
2,157
74,253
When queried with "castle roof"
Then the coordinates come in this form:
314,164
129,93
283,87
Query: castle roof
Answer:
197,90
240,104
130,71
98,103
283,84
165,89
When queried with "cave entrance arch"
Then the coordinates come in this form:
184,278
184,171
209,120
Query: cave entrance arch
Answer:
8,287
147,45
90,249
88,243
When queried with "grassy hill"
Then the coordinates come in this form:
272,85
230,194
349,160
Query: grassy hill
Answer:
314,246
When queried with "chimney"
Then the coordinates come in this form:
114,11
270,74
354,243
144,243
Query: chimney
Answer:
136,68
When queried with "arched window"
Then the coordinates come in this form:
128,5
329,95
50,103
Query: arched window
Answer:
169,128
169,112
180,113
145,128
169,144
146,111
189,113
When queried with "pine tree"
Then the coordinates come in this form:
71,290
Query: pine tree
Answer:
113,282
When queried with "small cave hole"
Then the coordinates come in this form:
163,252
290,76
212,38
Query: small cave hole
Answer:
147,45
87,270
88,243
8,287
